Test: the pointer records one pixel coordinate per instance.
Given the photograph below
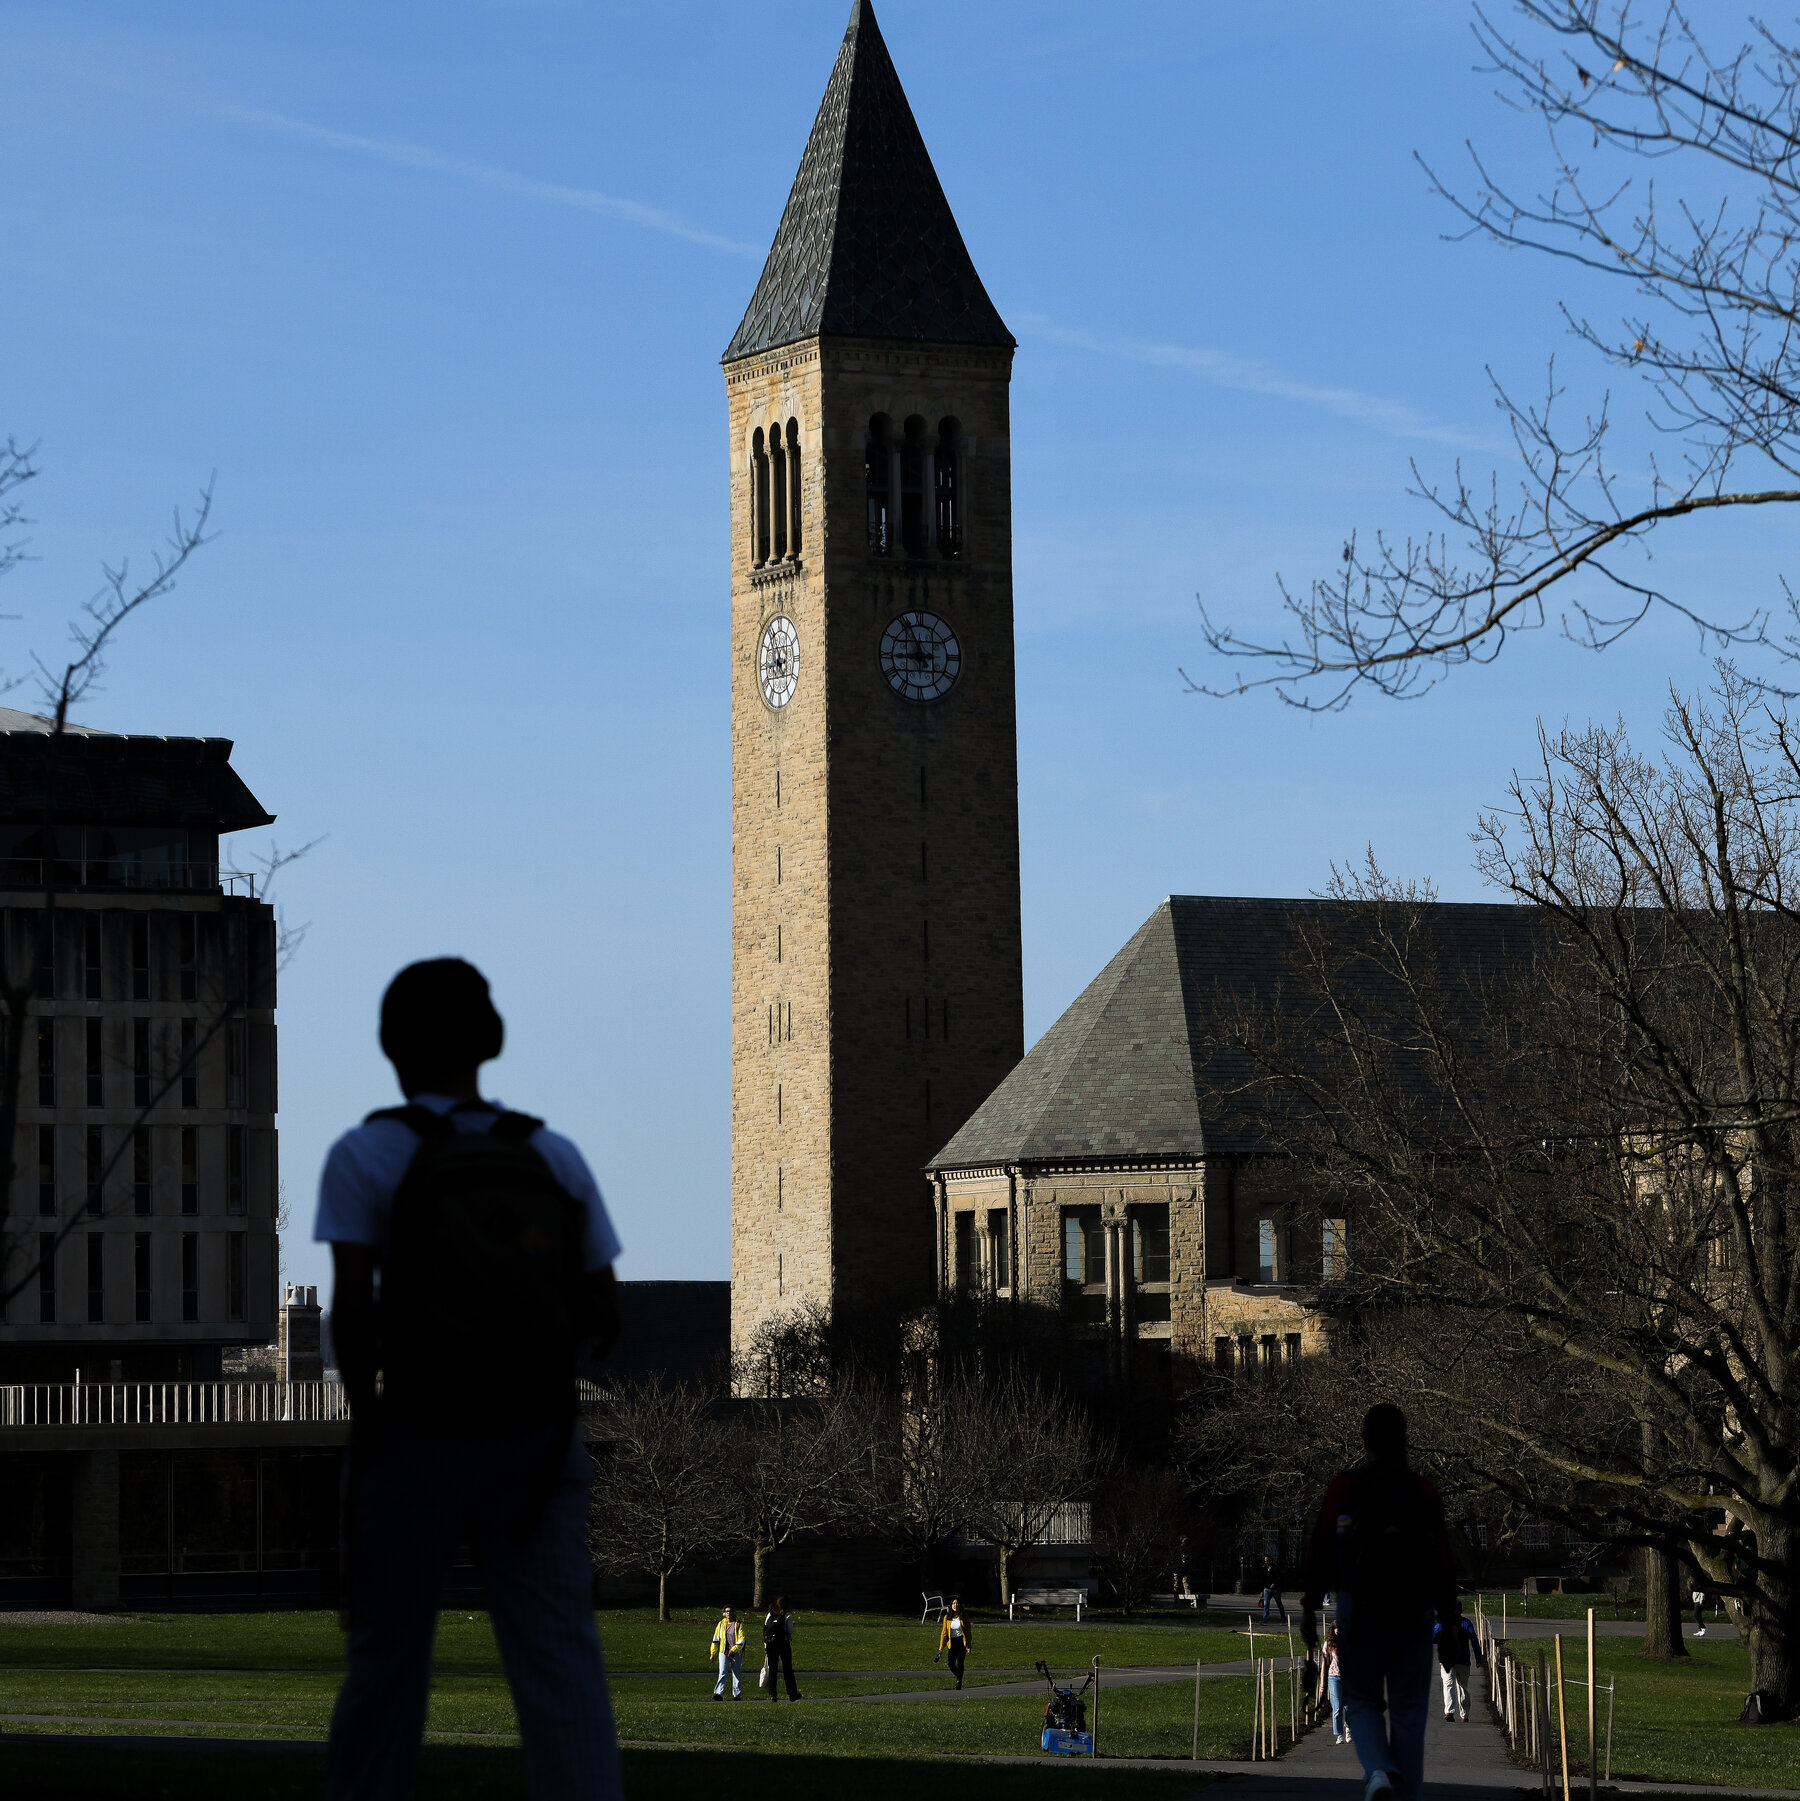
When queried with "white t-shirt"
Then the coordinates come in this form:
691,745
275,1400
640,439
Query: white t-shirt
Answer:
365,1167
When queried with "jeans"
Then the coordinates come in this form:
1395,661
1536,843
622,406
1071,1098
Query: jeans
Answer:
1395,1655
1272,1594
958,1657
426,1493
1456,1689
732,1663
1335,1688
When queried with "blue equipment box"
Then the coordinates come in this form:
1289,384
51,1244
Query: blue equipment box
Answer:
1068,1744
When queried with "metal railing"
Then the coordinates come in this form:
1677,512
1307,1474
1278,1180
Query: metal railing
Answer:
117,872
173,1403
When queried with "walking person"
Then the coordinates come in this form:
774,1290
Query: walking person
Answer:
1699,1613
1380,1542
955,1637
1271,1591
1455,1645
1331,1684
778,1649
728,1646
494,1256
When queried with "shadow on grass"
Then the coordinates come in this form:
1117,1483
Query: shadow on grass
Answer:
52,1768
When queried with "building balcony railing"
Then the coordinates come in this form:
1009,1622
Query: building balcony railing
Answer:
173,1403
124,873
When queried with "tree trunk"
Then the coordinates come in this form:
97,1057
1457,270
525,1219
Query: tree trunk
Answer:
759,1594
1662,1604
662,1594
1770,1614
1005,1575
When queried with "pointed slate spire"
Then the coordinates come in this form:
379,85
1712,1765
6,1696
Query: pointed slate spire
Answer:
868,246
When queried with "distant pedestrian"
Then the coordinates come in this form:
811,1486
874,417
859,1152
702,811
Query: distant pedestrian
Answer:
493,1253
728,1646
1380,1542
955,1637
1699,1613
1455,1645
1331,1681
778,1649
1271,1591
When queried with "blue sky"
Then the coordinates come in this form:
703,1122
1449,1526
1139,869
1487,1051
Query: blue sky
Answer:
439,293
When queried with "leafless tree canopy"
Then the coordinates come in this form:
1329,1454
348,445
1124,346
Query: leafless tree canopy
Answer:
1581,1165
1141,1518
1672,171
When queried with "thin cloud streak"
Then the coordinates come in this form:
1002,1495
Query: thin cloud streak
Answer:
500,181
1246,376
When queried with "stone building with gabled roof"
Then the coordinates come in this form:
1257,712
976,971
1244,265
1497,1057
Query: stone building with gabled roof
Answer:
1120,1174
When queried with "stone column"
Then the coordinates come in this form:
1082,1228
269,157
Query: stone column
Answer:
939,1205
1014,1250
94,1529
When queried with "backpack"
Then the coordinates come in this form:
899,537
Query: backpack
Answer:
482,1288
1388,1559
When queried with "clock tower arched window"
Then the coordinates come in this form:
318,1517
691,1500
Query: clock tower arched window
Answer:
759,500
948,501
793,486
878,482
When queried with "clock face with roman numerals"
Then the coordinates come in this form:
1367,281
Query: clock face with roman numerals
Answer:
920,656
778,661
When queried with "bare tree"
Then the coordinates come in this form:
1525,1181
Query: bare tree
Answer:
660,1492
1141,1518
1577,1153
1670,169
1029,1454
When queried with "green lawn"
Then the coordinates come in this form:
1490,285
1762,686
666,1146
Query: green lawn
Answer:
1557,1607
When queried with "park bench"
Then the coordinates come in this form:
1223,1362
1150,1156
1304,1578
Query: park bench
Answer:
934,1605
1048,1597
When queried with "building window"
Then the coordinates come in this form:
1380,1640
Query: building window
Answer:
1247,1354
140,956
967,1276
46,1169
235,1035
1334,1262
96,1277
878,482
189,948
96,1087
190,1074
46,1062
1269,1352
46,965
142,1195
1268,1268
759,500
778,494
1291,1344
949,511
913,458
1149,1245
95,1164
234,1170
190,1168
234,1276
140,1063
793,487
190,1276
1222,1356
1084,1247
47,1278
140,1276
1000,1247
91,955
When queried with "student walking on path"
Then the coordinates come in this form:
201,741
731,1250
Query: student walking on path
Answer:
1271,1591
1380,1543
954,1639
1455,1644
494,1254
1331,1683
728,1647
778,1649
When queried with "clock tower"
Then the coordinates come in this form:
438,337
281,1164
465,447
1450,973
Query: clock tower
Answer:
876,985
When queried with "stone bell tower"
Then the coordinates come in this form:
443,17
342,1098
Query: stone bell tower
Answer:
876,986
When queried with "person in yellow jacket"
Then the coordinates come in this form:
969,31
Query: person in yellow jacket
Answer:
728,1647
955,1637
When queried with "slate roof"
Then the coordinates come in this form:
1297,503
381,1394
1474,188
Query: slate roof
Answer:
868,246
109,778
1136,1068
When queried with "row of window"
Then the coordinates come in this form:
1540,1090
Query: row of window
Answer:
86,973
775,490
93,1250
1274,1251
132,1151
912,478
1249,1355
148,1082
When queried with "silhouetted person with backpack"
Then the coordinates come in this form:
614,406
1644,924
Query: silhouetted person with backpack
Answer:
494,1255
1380,1543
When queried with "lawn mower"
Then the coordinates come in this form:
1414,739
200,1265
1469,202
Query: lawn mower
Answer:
1065,1717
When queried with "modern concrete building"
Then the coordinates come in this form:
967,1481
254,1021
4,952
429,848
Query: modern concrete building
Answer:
876,967
140,1233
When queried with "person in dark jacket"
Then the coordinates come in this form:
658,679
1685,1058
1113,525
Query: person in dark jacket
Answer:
1271,1591
778,1648
1380,1543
